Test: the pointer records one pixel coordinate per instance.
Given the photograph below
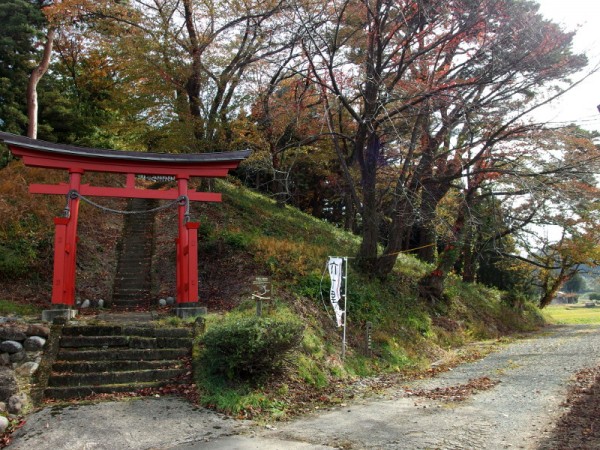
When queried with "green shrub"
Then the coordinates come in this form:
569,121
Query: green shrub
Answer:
312,286
595,296
13,264
250,347
239,241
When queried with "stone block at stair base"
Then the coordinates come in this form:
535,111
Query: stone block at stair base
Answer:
189,310
48,315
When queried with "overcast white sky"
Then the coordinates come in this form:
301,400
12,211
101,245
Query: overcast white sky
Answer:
579,105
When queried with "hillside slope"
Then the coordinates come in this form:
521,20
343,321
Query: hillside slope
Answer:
247,236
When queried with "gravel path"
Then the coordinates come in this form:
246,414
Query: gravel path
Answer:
532,374
533,377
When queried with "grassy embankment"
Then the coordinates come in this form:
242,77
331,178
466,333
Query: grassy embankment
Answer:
292,248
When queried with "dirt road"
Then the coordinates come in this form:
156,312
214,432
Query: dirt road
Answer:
522,390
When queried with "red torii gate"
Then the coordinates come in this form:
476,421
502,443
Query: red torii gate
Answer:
78,160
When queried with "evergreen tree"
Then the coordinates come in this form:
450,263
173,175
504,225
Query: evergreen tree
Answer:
22,22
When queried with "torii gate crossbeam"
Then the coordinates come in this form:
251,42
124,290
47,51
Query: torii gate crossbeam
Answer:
78,160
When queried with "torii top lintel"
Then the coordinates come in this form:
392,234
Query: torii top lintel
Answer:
38,153
77,160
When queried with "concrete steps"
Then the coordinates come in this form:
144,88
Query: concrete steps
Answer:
100,359
133,281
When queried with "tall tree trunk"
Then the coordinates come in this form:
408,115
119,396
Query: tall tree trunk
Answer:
551,286
403,211
34,78
431,286
432,193
193,82
397,238
349,213
469,260
367,256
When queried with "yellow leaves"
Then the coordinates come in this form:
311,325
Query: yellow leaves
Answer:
66,12
299,257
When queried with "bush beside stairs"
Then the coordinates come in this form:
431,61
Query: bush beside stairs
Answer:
101,359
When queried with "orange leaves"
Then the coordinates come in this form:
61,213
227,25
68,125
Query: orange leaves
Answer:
16,204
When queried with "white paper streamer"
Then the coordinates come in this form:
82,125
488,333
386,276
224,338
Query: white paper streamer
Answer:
335,273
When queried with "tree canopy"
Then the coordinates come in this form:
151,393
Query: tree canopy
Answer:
409,122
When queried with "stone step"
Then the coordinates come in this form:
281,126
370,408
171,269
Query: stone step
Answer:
123,341
132,282
107,378
127,305
142,286
118,357
140,219
73,392
133,261
122,354
129,251
129,330
138,230
133,273
116,366
130,300
141,276
136,250
137,238
132,269
130,296
131,291
141,280
131,288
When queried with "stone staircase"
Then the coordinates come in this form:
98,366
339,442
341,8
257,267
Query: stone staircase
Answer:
100,359
133,280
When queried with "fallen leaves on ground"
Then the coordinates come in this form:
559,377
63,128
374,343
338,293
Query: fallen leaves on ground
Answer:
455,393
578,428
14,425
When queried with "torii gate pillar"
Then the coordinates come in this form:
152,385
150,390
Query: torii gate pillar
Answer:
187,257
65,246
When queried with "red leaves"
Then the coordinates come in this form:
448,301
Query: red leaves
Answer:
14,425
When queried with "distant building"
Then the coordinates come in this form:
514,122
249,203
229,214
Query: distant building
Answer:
562,298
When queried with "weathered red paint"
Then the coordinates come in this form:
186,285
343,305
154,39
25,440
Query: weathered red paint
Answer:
77,161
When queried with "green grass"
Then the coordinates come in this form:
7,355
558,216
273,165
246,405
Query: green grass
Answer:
20,309
572,314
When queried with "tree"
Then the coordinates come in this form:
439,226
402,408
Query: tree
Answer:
34,78
22,24
186,60
574,284
433,89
